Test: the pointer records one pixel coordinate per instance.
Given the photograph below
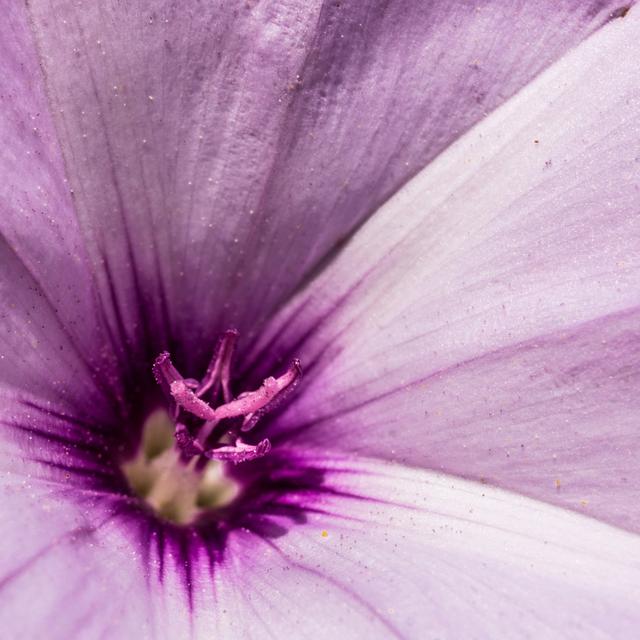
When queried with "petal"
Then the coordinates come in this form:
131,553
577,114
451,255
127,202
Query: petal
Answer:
393,552
52,340
65,570
384,552
485,321
218,152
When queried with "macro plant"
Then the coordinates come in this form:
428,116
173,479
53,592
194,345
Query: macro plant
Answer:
319,319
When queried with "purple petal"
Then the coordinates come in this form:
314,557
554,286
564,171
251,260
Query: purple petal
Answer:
52,339
485,322
218,151
385,552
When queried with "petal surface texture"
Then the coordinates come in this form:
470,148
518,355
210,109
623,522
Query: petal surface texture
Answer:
217,152
498,565
53,342
485,322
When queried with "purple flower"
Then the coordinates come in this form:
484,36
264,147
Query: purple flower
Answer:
433,206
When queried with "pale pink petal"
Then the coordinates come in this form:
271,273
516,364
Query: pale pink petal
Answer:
382,552
485,322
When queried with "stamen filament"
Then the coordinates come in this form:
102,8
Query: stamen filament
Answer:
219,369
188,400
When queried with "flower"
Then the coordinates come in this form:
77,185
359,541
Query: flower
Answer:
458,459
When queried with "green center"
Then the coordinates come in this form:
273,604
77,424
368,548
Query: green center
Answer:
176,490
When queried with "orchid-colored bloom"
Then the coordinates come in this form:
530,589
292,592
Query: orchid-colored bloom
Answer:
319,319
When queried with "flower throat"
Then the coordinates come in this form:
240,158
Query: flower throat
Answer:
179,468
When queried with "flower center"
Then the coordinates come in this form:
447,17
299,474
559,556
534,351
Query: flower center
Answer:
176,490
180,467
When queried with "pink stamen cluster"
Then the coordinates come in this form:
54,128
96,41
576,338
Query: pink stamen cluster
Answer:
214,438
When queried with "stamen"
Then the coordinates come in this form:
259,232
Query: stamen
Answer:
165,373
188,445
240,452
294,373
246,403
219,369
187,394
249,403
190,401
